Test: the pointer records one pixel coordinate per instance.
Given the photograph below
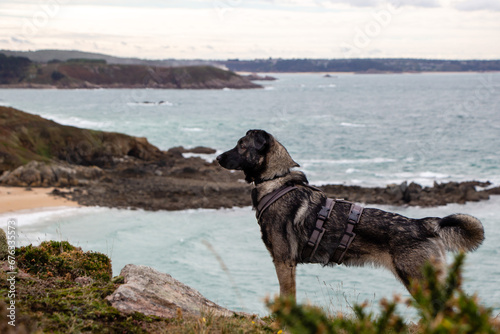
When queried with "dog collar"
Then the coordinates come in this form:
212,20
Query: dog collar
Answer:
259,181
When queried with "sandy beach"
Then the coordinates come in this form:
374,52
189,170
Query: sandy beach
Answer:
18,198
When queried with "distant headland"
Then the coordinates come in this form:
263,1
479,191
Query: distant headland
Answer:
21,72
277,65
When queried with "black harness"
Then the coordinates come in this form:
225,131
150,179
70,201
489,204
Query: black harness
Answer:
315,238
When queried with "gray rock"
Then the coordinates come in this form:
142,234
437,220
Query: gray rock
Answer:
151,292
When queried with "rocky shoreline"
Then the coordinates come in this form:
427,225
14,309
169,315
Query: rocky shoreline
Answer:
178,183
96,168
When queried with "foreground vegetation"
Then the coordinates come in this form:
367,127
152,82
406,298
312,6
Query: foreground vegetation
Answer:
51,297
443,307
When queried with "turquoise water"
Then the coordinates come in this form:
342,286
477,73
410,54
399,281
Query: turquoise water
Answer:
354,129
366,129
175,243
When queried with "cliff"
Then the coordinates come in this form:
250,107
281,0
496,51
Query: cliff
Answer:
25,137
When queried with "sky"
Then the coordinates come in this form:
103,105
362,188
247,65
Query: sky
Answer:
250,29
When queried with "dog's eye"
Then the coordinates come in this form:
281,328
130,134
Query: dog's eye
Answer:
243,147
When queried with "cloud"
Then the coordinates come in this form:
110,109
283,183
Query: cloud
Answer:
20,40
361,3
472,5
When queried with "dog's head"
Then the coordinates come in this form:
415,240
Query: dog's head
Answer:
259,155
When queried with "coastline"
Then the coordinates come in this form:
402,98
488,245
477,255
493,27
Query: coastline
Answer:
13,199
357,73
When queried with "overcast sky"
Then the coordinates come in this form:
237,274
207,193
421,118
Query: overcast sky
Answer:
248,29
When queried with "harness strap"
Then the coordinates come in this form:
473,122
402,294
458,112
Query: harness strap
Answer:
348,237
270,198
316,235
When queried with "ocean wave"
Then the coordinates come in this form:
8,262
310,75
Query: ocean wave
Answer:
378,160
37,216
207,157
79,122
353,125
192,129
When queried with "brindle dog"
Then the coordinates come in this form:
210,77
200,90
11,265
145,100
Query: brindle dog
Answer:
402,245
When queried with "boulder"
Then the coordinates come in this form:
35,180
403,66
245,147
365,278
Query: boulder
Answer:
151,292
196,150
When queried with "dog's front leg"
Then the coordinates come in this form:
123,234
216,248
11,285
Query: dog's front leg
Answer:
286,278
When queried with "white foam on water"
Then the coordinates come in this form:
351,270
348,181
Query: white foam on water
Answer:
378,160
192,129
78,121
206,157
39,216
353,125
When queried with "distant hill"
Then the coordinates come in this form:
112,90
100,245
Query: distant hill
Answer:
79,72
389,65
45,56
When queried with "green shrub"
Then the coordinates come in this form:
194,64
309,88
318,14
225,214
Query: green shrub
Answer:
61,259
445,308
442,305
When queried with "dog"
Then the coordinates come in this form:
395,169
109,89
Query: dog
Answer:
383,239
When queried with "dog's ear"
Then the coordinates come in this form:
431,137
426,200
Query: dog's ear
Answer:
261,139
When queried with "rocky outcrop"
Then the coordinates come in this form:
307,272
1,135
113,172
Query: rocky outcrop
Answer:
256,77
151,292
39,174
176,184
414,194
196,150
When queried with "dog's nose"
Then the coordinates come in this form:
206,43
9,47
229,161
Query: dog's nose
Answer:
219,157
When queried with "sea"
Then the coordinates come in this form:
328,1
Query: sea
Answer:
356,129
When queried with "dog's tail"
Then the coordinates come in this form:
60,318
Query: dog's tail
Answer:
460,232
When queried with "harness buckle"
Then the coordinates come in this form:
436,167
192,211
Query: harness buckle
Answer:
323,213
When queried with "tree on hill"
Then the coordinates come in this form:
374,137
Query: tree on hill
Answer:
13,69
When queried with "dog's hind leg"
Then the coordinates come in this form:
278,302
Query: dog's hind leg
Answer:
409,266
286,278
